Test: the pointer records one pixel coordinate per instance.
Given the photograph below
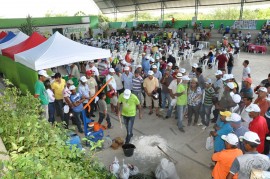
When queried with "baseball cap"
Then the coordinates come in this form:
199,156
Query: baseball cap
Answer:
154,66
111,70
249,80
70,82
185,78
230,85
208,81
225,77
230,138
126,69
263,89
139,66
253,108
179,75
83,79
170,52
234,117
127,93
182,70
89,72
251,137
152,60
225,113
150,72
195,65
43,73
72,87
230,76
236,98
219,72
170,64
117,70
91,61
157,57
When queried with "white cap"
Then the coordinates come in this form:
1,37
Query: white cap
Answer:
72,87
157,57
234,117
127,93
208,81
83,79
253,108
70,82
186,78
195,65
236,98
150,72
230,138
230,85
182,70
154,66
170,52
179,75
152,60
160,49
264,89
224,52
170,64
43,73
139,66
230,76
111,70
219,72
251,137
66,109
126,68
225,77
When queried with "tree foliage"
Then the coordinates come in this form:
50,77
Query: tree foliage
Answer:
80,13
50,13
28,27
37,149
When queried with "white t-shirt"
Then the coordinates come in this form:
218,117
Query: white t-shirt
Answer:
173,86
118,80
84,91
246,72
66,93
244,115
112,82
94,69
51,96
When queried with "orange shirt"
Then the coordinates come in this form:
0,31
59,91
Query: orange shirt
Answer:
263,104
128,58
224,160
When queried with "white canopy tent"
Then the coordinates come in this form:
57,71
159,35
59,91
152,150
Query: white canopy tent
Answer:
20,37
57,51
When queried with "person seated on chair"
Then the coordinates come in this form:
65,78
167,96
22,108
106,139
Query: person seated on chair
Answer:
227,30
201,60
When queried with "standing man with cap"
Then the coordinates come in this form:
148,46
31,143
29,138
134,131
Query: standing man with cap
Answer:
84,90
145,63
158,75
244,164
118,79
41,93
171,59
151,85
67,103
75,71
262,101
246,90
258,125
200,78
192,74
244,114
127,78
137,82
129,103
58,86
128,57
222,60
165,93
112,87
91,66
225,158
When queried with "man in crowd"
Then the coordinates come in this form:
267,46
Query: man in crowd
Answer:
84,90
165,93
246,72
200,78
75,71
91,66
222,60
192,74
262,101
112,87
67,102
58,86
145,63
246,90
137,82
127,78
118,79
171,59
41,93
244,114
93,87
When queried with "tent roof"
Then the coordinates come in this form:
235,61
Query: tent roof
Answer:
59,50
34,40
20,37
2,34
121,6
9,36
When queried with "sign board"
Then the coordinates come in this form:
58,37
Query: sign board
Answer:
245,24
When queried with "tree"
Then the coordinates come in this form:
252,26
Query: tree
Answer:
102,18
50,13
28,27
80,13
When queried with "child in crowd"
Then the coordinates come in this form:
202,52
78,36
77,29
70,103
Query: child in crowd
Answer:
51,106
103,112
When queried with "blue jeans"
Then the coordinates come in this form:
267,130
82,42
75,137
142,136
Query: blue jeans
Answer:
139,95
169,112
229,69
205,113
193,110
59,104
165,96
101,117
129,121
77,120
180,115
51,112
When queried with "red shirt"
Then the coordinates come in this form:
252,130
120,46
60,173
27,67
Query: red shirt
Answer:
263,104
128,58
259,126
222,59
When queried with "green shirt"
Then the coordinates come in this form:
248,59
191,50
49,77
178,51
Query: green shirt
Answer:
129,105
41,91
182,100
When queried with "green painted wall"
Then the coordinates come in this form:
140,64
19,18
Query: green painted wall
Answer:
179,24
44,21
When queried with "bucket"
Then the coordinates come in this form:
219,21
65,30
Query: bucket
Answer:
128,149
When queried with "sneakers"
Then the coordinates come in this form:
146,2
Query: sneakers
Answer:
204,127
199,124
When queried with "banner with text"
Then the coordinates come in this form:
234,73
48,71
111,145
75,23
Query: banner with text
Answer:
245,24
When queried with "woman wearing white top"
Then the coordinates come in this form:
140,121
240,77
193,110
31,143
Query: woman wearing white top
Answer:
51,101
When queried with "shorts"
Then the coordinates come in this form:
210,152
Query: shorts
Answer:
114,100
149,99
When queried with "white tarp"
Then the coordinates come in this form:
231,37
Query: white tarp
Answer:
57,51
20,37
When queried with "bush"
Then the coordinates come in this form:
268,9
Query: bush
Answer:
38,149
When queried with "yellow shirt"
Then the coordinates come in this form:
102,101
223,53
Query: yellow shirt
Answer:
58,89
150,85
92,86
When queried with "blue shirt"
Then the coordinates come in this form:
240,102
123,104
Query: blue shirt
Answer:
227,29
219,144
127,79
73,99
146,65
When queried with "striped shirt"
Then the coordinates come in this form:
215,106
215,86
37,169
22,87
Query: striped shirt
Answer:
102,67
209,93
137,84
